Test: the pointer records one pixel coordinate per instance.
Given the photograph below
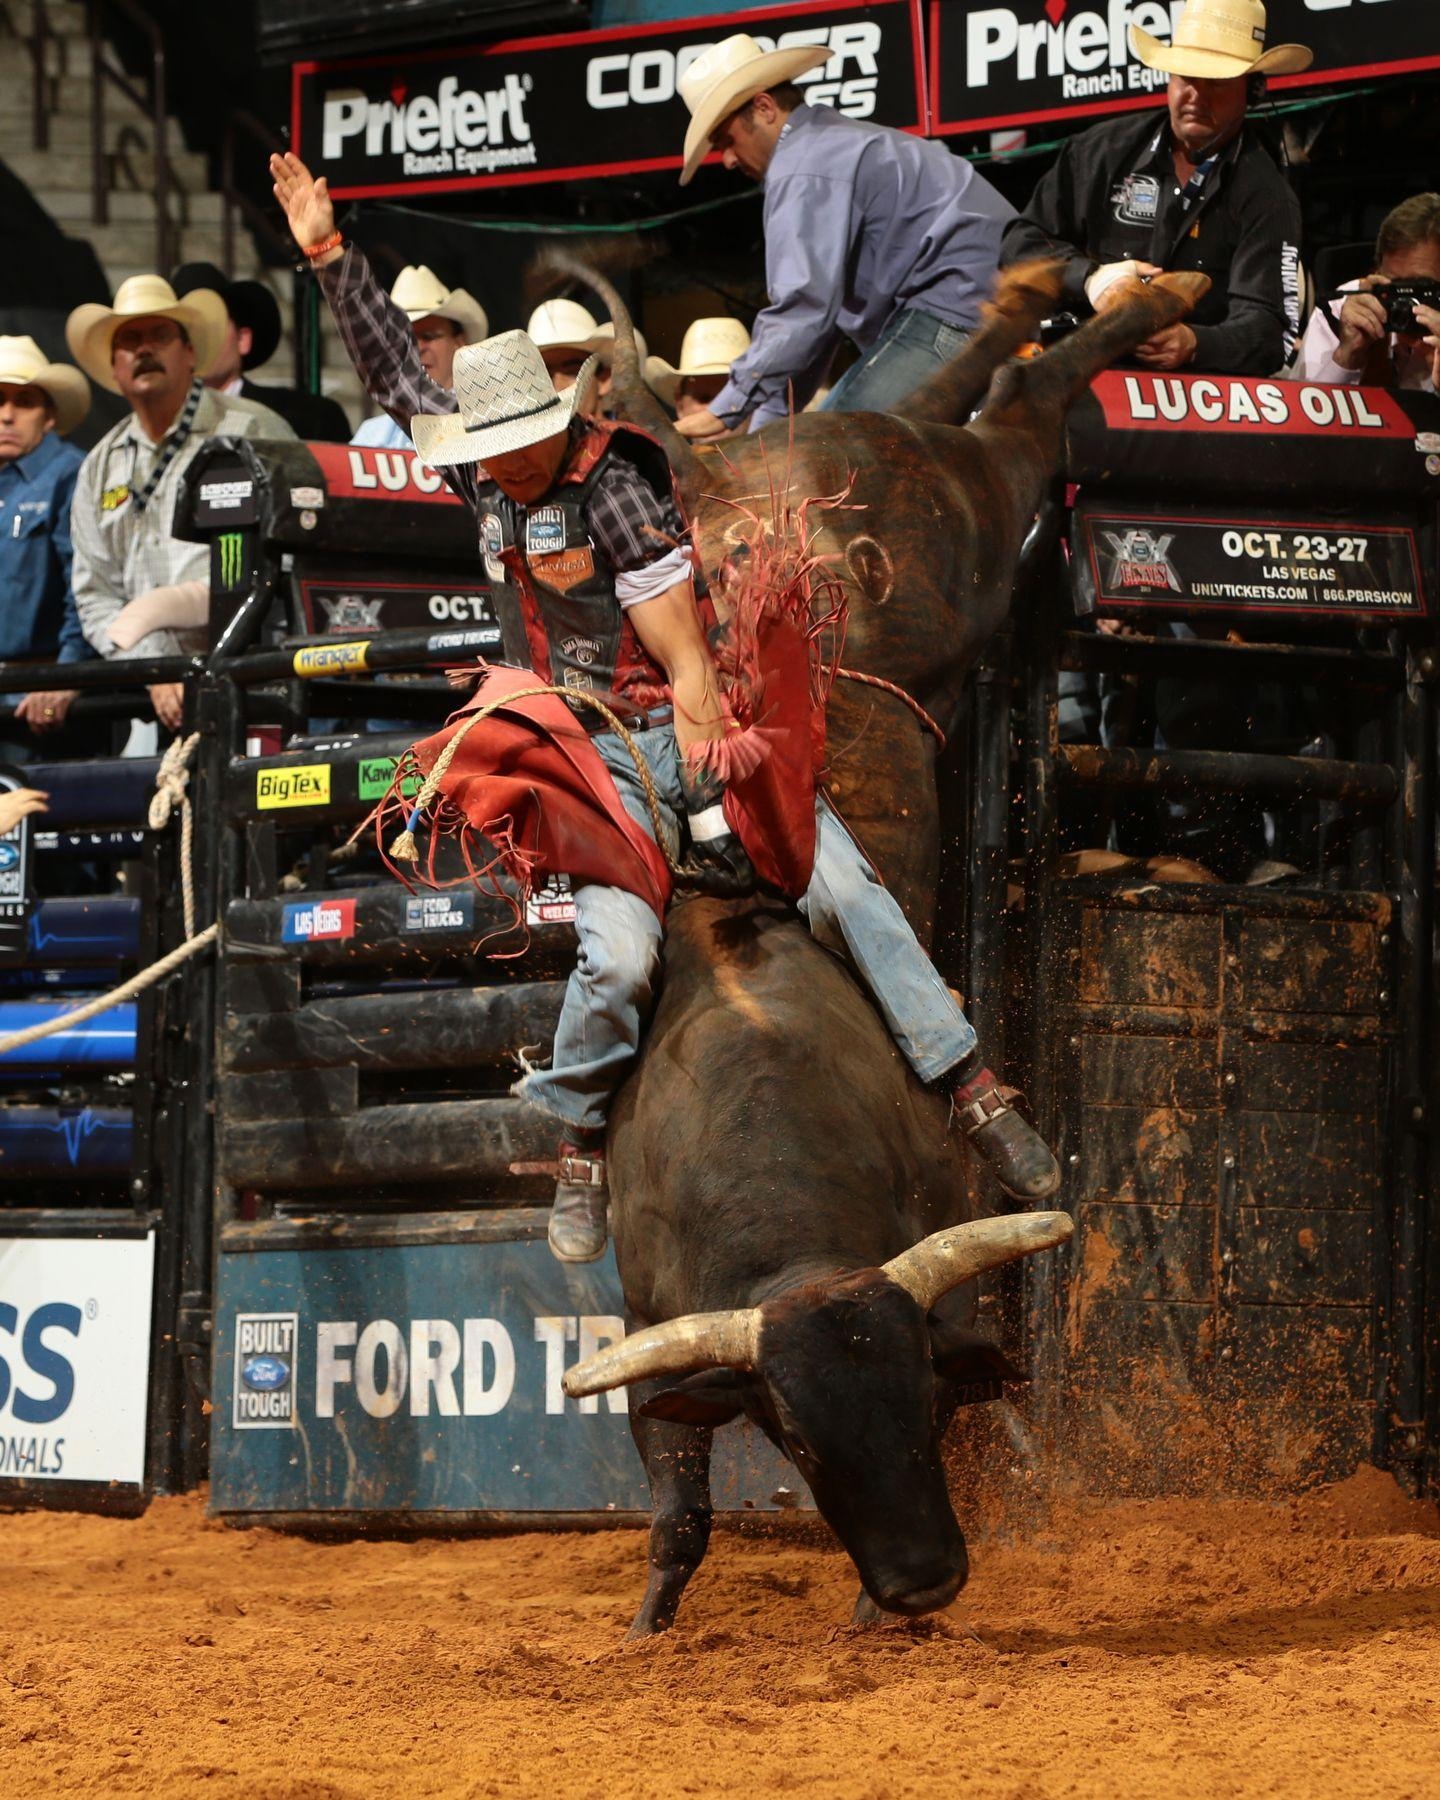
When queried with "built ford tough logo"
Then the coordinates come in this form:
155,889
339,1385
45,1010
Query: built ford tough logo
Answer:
265,1370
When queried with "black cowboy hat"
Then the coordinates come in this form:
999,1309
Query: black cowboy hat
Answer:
249,303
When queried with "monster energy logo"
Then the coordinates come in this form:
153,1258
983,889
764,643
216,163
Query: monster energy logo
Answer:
232,558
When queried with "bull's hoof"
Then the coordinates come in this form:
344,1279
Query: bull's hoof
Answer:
866,1612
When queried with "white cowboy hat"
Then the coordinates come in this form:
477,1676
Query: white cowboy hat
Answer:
709,348
722,78
1217,39
420,293
90,329
507,402
562,325
24,364
602,343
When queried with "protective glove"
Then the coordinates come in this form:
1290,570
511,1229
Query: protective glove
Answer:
715,851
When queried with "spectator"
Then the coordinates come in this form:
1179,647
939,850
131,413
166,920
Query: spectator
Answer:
871,234
1407,249
251,340
1130,197
152,349
569,337
708,349
40,404
443,320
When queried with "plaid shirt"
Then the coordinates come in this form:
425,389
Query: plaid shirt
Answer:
631,524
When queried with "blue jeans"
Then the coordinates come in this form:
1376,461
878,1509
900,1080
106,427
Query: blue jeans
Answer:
612,987
913,345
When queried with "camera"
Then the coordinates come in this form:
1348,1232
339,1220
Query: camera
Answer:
1400,298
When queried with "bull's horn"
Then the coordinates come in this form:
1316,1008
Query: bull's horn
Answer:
721,1340
946,1258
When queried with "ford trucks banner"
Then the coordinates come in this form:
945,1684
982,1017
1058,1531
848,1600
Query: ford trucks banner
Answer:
426,1379
74,1357
585,104
1015,61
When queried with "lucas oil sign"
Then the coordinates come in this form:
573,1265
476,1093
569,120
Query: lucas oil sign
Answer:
587,103
426,1378
74,1358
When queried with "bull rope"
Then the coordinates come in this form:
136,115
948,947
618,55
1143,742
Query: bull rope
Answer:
892,687
172,779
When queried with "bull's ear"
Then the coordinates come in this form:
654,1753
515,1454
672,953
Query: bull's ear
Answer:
713,1397
970,1359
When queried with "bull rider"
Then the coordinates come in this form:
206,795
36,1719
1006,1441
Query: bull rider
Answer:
593,580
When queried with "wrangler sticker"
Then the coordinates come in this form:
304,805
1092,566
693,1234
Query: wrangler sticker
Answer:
564,569
332,659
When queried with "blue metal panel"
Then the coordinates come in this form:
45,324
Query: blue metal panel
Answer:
100,930
113,792
636,12
314,1414
43,1141
105,1042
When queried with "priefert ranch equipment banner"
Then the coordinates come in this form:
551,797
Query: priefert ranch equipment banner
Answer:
590,103
1011,62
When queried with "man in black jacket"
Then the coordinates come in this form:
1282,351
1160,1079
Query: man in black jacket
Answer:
1195,190
253,338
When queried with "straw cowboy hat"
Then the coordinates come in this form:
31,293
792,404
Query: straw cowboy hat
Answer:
562,325
24,364
249,303
90,329
1217,39
725,76
419,293
507,402
709,348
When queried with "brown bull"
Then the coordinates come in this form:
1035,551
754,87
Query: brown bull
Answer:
785,1195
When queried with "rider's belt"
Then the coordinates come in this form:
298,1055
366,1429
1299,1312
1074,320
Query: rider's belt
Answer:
632,717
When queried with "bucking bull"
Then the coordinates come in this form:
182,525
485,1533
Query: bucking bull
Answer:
786,1196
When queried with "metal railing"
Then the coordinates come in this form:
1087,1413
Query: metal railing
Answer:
40,36
101,72
234,199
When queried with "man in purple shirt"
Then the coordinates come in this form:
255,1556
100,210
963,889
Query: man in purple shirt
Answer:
870,234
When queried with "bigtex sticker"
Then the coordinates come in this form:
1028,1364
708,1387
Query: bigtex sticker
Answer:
312,921
307,785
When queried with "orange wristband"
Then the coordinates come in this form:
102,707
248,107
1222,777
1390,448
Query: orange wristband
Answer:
324,247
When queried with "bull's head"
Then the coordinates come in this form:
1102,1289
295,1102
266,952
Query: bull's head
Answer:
843,1373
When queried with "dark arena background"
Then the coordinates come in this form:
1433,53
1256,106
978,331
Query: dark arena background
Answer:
294,1499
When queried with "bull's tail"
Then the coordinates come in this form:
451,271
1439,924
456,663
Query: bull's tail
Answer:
636,401
1023,296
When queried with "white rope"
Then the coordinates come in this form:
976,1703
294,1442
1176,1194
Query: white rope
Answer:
127,990
172,778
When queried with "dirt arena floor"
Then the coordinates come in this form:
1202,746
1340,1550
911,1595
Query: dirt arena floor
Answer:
1148,1649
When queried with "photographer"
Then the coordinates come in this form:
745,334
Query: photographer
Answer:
1389,332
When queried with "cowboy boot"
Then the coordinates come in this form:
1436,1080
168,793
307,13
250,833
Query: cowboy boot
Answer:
577,1214
1018,1157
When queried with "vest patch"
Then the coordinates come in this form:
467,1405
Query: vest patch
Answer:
1136,200
544,531
582,650
564,569
492,542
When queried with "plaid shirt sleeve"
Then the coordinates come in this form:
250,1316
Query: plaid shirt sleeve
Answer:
379,340
632,525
